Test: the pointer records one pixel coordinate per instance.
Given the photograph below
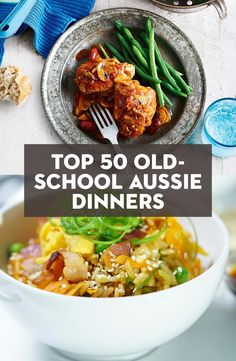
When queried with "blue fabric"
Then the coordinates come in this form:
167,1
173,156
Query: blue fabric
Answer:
1,49
49,19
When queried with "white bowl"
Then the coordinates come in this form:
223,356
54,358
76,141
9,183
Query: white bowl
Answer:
110,328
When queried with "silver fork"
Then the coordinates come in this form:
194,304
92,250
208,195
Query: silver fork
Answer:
105,122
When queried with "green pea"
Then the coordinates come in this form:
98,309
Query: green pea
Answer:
15,248
101,247
181,274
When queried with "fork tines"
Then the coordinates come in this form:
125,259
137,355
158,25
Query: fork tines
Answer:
101,115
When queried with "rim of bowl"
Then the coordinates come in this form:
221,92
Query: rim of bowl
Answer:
204,123
222,256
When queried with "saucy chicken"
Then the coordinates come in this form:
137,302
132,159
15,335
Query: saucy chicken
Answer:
97,77
134,107
109,83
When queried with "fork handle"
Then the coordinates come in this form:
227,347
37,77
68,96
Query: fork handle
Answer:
113,140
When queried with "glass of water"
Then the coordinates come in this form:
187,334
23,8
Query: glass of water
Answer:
219,127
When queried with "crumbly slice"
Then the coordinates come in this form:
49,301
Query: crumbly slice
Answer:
14,85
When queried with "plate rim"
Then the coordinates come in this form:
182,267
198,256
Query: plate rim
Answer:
44,77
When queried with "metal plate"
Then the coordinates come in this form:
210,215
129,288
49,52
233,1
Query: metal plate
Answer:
59,73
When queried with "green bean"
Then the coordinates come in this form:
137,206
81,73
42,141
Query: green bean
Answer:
175,74
104,51
154,69
132,59
133,41
162,64
128,36
148,26
178,78
172,70
173,90
147,56
140,57
164,68
145,39
115,52
126,55
138,54
118,25
183,84
142,74
139,70
123,42
167,100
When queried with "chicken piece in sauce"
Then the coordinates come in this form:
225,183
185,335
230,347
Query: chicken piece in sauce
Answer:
134,107
99,75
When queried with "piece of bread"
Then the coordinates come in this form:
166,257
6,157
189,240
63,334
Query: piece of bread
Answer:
14,85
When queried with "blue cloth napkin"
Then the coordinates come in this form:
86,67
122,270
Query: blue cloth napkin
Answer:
49,19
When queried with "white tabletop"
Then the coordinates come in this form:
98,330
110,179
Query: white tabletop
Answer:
214,39
211,338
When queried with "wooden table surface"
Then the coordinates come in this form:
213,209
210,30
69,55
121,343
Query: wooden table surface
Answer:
28,124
